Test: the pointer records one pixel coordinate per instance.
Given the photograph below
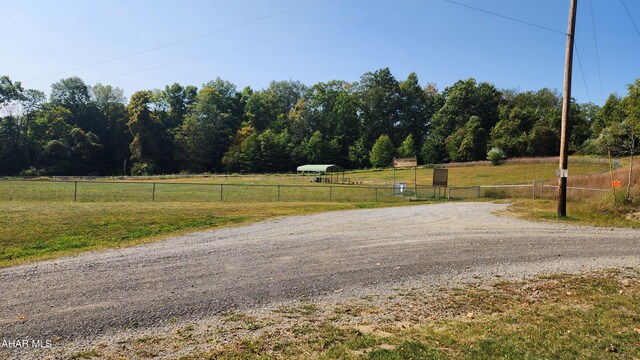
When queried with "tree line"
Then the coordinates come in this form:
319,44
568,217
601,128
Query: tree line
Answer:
94,130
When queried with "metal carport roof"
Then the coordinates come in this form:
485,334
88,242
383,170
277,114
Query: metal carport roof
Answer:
321,168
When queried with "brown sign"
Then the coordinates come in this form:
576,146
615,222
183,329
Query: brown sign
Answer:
440,177
405,162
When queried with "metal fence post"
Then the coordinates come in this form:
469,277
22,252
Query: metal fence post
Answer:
221,185
376,192
278,193
542,189
533,189
330,192
478,192
75,191
448,193
153,193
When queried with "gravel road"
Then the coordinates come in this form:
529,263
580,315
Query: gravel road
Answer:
206,273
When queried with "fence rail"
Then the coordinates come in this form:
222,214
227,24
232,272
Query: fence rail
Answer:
114,191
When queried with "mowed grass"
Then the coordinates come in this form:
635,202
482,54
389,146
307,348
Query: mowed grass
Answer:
143,191
588,316
37,231
478,175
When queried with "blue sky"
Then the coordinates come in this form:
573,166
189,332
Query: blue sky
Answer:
318,40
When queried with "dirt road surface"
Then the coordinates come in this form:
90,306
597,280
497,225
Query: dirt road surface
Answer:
206,273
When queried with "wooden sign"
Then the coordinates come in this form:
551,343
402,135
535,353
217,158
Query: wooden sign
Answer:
405,162
616,184
440,177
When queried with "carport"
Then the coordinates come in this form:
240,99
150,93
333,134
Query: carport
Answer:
324,173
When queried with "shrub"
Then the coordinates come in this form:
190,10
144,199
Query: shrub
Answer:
381,154
142,169
496,155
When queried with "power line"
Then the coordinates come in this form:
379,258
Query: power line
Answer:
630,17
316,28
584,80
339,22
191,38
595,40
505,17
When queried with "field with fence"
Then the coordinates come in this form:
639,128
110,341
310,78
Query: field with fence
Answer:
532,178
111,191
47,218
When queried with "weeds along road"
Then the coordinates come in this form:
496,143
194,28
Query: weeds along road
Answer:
206,273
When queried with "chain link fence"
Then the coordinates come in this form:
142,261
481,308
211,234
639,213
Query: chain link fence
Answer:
114,191
120,191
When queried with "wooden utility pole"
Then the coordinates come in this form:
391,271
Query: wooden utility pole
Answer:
566,111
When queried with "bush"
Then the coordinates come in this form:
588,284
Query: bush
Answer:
33,172
496,155
381,155
142,169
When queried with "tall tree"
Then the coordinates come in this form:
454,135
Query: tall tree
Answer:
269,108
379,94
415,110
73,94
208,130
147,151
178,99
114,136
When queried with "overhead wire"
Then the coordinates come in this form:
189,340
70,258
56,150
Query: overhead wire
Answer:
258,43
630,17
320,27
505,17
184,40
584,79
595,40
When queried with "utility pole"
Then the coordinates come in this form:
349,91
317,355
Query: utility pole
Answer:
566,110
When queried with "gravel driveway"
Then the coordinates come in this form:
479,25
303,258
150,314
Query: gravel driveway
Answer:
210,272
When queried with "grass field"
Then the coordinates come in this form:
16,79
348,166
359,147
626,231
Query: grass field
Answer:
510,173
108,191
266,188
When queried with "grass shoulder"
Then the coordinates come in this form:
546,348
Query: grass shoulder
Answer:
599,212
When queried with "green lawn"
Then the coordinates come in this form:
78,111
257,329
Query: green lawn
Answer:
108,191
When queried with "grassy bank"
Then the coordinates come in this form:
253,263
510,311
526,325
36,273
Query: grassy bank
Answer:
601,210
591,316
37,231
511,173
